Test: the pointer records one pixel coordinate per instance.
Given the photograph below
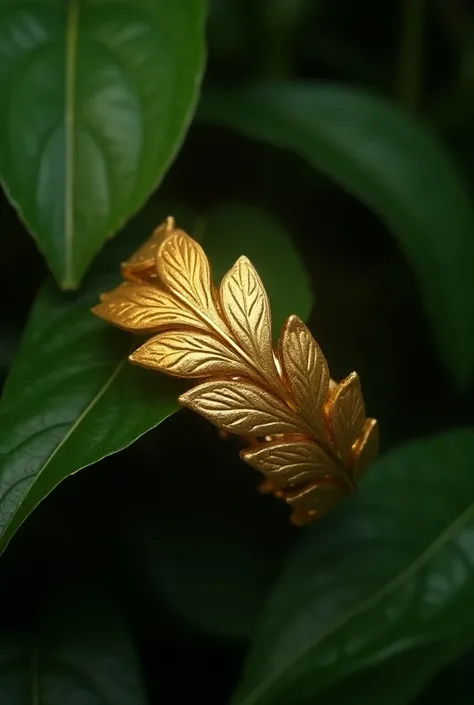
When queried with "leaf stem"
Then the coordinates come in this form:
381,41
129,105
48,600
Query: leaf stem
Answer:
411,53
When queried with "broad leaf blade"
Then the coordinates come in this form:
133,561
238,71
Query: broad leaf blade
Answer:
72,397
213,581
389,576
99,97
392,164
81,652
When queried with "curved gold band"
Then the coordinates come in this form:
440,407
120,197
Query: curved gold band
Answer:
306,434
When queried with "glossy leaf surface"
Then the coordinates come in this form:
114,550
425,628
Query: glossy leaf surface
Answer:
72,397
97,97
80,653
383,580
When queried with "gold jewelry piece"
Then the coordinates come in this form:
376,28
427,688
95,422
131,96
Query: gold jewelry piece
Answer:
306,434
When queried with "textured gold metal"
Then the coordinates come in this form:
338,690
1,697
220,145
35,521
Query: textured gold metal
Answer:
307,435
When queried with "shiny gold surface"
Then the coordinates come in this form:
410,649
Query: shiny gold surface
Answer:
307,435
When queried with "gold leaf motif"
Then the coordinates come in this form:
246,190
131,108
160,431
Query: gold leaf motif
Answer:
184,269
307,435
247,311
145,308
141,265
240,407
306,373
117,293
345,412
291,463
183,355
314,501
366,447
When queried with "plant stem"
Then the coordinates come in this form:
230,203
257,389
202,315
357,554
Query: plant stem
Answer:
411,53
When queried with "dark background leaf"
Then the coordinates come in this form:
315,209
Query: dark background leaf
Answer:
172,541
232,229
394,166
81,651
379,580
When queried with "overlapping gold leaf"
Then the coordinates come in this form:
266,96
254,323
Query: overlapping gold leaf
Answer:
366,447
306,373
345,413
247,311
314,500
183,355
291,463
140,267
184,269
241,407
145,308
307,435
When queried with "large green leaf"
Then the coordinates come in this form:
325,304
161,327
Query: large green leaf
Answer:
72,397
379,595
394,166
80,653
96,97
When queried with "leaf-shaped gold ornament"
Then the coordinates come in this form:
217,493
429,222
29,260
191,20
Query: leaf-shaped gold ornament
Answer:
291,463
146,309
241,407
307,435
247,311
365,448
141,265
314,500
183,355
184,269
306,373
345,413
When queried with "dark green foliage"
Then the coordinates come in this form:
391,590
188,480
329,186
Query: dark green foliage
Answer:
332,145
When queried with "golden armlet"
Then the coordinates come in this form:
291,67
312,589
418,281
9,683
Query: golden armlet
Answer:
307,435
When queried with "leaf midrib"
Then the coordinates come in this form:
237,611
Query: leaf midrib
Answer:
440,541
97,397
69,108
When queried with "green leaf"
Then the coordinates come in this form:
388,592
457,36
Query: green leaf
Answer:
96,99
237,229
208,544
385,581
394,166
80,653
72,398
